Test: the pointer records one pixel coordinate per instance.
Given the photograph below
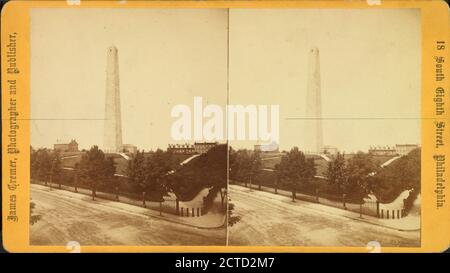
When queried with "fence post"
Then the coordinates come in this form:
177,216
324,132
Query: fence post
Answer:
382,214
75,182
143,199
187,212
117,193
398,214
343,200
193,212
317,195
387,214
182,212
360,210
160,208
378,209
198,211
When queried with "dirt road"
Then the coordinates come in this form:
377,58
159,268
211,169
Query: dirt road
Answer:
67,216
269,219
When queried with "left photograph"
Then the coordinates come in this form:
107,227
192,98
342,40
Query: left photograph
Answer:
115,158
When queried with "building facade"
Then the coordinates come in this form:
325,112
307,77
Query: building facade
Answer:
203,147
385,150
181,148
404,149
197,148
72,146
398,149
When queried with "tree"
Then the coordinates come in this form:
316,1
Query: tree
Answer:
136,171
402,174
295,170
232,163
96,168
157,169
56,167
240,165
255,167
336,173
209,170
358,175
214,170
41,164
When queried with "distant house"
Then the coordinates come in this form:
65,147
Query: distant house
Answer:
197,148
385,151
203,147
398,149
181,148
72,146
404,149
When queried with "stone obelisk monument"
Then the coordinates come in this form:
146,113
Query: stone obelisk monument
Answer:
112,141
314,138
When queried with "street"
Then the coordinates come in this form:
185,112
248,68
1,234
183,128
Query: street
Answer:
270,219
67,216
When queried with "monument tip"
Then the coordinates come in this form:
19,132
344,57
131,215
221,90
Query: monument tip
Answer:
314,49
112,48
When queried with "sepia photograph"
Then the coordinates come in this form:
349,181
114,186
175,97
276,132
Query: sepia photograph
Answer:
345,169
106,87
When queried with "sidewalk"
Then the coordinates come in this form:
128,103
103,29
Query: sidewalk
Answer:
207,221
408,223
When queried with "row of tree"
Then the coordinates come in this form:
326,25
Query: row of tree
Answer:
297,171
293,171
45,164
152,174
95,168
245,165
353,175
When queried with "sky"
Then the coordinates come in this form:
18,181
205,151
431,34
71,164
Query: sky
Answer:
369,68
166,57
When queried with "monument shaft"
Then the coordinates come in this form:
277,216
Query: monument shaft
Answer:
314,139
113,123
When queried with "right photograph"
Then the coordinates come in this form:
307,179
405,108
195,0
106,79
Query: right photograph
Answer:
331,149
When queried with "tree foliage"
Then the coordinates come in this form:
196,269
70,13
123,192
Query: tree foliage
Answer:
295,170
402,174
207,170
96,168
45,164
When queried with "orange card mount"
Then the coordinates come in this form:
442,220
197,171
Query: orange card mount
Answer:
225,126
